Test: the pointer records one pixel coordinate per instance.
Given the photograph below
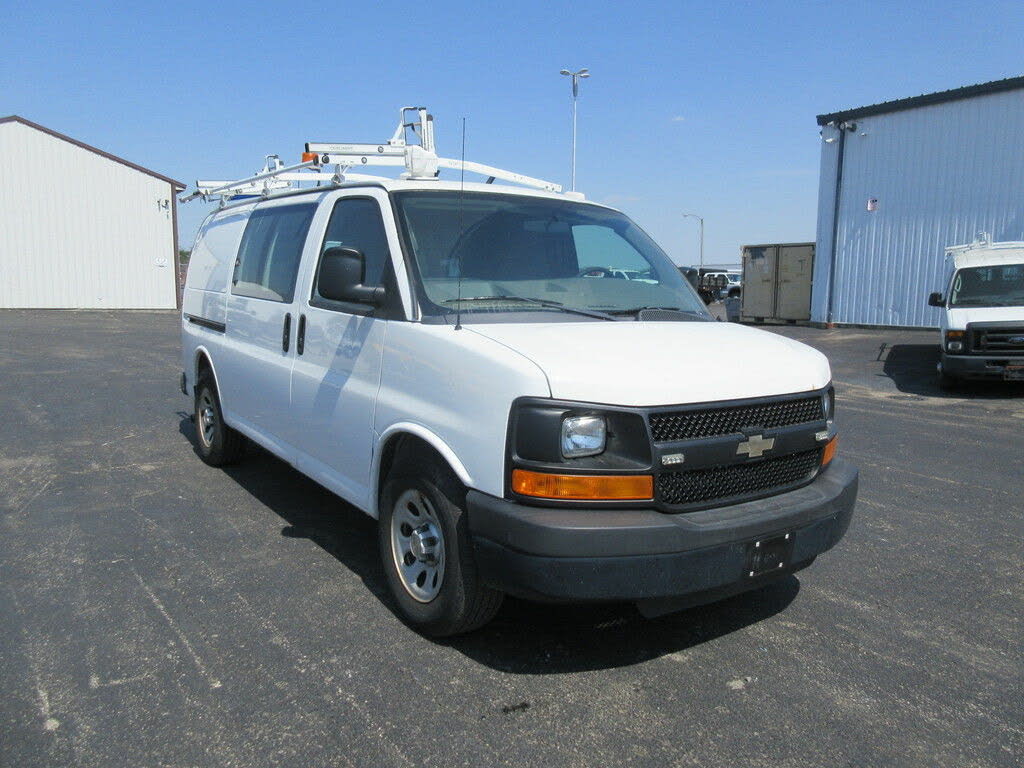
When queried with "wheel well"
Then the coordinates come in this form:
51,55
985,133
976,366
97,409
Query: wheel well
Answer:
403,445
203,365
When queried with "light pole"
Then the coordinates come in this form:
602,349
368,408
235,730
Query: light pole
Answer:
701,220
576,77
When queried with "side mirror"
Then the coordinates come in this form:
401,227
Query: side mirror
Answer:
342,271
936,300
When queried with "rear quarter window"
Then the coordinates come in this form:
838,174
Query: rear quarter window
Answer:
213,254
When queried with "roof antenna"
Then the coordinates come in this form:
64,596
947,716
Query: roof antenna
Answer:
462,187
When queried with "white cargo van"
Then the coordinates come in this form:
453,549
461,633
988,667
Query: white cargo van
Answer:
460,362
982,320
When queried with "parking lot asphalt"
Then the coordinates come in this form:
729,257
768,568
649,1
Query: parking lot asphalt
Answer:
158,612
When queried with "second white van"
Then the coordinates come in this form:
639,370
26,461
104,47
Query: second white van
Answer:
981,326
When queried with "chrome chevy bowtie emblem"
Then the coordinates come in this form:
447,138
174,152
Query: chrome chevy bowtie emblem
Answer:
755,446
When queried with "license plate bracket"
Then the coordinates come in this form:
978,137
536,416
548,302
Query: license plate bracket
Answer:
769,554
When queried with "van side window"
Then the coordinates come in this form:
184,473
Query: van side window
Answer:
269,254
356,223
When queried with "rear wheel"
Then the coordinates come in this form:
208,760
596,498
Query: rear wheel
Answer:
426,552
217,443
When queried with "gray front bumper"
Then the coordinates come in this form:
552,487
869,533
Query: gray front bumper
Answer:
977,366
588,554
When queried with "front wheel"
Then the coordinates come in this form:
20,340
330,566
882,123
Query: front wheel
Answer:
427,556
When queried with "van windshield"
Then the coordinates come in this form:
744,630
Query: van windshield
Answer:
527,254
997,286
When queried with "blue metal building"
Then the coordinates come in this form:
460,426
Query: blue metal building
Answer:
901,181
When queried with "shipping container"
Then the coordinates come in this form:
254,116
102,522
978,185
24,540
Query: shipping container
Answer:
777,282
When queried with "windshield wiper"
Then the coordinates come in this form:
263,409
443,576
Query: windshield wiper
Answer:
538,302
638,310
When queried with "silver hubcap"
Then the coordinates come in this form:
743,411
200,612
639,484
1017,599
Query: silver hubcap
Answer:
207,418
417,545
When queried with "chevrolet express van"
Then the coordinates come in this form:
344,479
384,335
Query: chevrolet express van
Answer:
461,363
982,322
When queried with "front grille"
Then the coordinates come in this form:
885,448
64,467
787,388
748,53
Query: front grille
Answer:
1004,340
736,480
698,423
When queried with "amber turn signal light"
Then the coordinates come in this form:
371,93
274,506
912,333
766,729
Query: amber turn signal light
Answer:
830,451
542,485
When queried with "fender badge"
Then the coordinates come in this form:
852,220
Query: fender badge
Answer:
755,446
673,458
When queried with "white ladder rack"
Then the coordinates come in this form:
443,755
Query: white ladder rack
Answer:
275,177
419,160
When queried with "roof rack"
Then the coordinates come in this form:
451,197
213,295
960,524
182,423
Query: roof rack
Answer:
275,177
419,160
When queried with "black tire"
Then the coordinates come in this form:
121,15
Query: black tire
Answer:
462,603
216,442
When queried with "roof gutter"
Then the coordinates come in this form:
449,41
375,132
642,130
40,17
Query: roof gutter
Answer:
897,105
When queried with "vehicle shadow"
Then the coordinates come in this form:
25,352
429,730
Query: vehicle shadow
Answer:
542,639
525,637
912,369
309,510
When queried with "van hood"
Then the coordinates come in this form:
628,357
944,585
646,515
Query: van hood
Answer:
957,318
662,363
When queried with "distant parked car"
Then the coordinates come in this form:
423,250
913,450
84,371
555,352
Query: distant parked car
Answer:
734,289
644,276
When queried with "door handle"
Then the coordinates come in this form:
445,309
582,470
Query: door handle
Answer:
287,333
300,342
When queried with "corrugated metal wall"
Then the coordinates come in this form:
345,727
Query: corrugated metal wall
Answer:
79,230
940,174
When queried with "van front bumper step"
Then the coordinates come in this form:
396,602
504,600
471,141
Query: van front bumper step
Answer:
649,556
992,367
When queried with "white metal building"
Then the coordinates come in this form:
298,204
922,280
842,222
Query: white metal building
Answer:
901,181
81,228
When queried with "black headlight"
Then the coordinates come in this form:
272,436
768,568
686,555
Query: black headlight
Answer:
543,433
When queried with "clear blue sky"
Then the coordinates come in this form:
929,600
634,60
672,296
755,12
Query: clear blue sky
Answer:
704,107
